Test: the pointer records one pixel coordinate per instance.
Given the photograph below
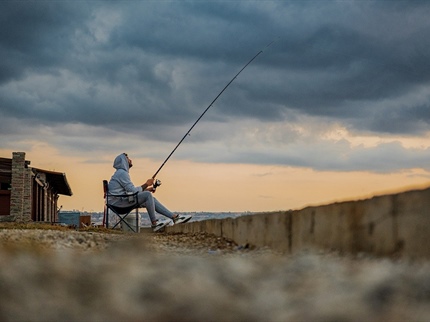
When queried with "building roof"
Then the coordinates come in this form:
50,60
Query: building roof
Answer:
57,180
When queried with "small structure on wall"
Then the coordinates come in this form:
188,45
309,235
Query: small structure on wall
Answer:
29,194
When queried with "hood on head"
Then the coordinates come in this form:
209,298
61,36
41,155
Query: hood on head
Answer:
121,162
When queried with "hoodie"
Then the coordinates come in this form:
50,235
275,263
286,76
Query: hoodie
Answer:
120,182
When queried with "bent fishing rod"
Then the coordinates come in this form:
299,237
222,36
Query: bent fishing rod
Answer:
158,182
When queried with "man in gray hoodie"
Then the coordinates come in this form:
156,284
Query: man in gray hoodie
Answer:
120,184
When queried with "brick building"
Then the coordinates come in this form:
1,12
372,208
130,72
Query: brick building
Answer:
27,193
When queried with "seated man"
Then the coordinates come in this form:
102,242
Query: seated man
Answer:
120,184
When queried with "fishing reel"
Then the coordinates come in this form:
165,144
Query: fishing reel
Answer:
156,184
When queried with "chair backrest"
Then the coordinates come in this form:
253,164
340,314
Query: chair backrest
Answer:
105,188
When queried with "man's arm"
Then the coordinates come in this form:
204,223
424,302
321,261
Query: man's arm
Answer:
125,181
147,184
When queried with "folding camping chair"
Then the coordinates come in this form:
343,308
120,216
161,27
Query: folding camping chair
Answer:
120,213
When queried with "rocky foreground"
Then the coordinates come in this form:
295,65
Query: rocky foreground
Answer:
63,275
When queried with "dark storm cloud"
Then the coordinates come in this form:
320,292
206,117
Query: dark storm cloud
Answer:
339,156
316,69
35,36
153,66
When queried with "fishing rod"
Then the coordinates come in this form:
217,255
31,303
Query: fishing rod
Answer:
158,182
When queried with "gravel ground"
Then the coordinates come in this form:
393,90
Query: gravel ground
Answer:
192,244
50,275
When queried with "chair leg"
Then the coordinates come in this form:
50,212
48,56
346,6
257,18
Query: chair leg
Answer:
123,221
137,221
107,217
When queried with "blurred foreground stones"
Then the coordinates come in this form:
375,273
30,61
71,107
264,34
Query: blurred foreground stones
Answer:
48,275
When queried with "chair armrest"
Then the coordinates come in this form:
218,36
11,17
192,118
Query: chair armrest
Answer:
123,196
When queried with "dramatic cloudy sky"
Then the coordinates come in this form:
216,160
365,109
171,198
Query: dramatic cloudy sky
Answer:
337,107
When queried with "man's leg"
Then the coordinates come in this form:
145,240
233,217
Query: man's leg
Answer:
162,210
152,205
145,199
177,219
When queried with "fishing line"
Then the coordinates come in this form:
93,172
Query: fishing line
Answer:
157,183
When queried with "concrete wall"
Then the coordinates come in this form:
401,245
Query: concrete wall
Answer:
397,224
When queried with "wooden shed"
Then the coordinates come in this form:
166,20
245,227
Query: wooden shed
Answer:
29,194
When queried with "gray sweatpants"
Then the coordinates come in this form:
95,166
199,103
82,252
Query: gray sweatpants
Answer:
146,200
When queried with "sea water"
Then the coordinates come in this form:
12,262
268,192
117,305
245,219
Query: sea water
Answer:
196,216
97,218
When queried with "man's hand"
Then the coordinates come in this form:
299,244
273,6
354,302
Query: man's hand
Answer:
147,184
150,182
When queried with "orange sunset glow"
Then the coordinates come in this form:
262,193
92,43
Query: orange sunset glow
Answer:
190,186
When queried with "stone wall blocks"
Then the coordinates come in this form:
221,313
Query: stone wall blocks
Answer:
388,225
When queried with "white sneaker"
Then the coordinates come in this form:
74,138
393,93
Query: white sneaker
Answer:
159,225
181,219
